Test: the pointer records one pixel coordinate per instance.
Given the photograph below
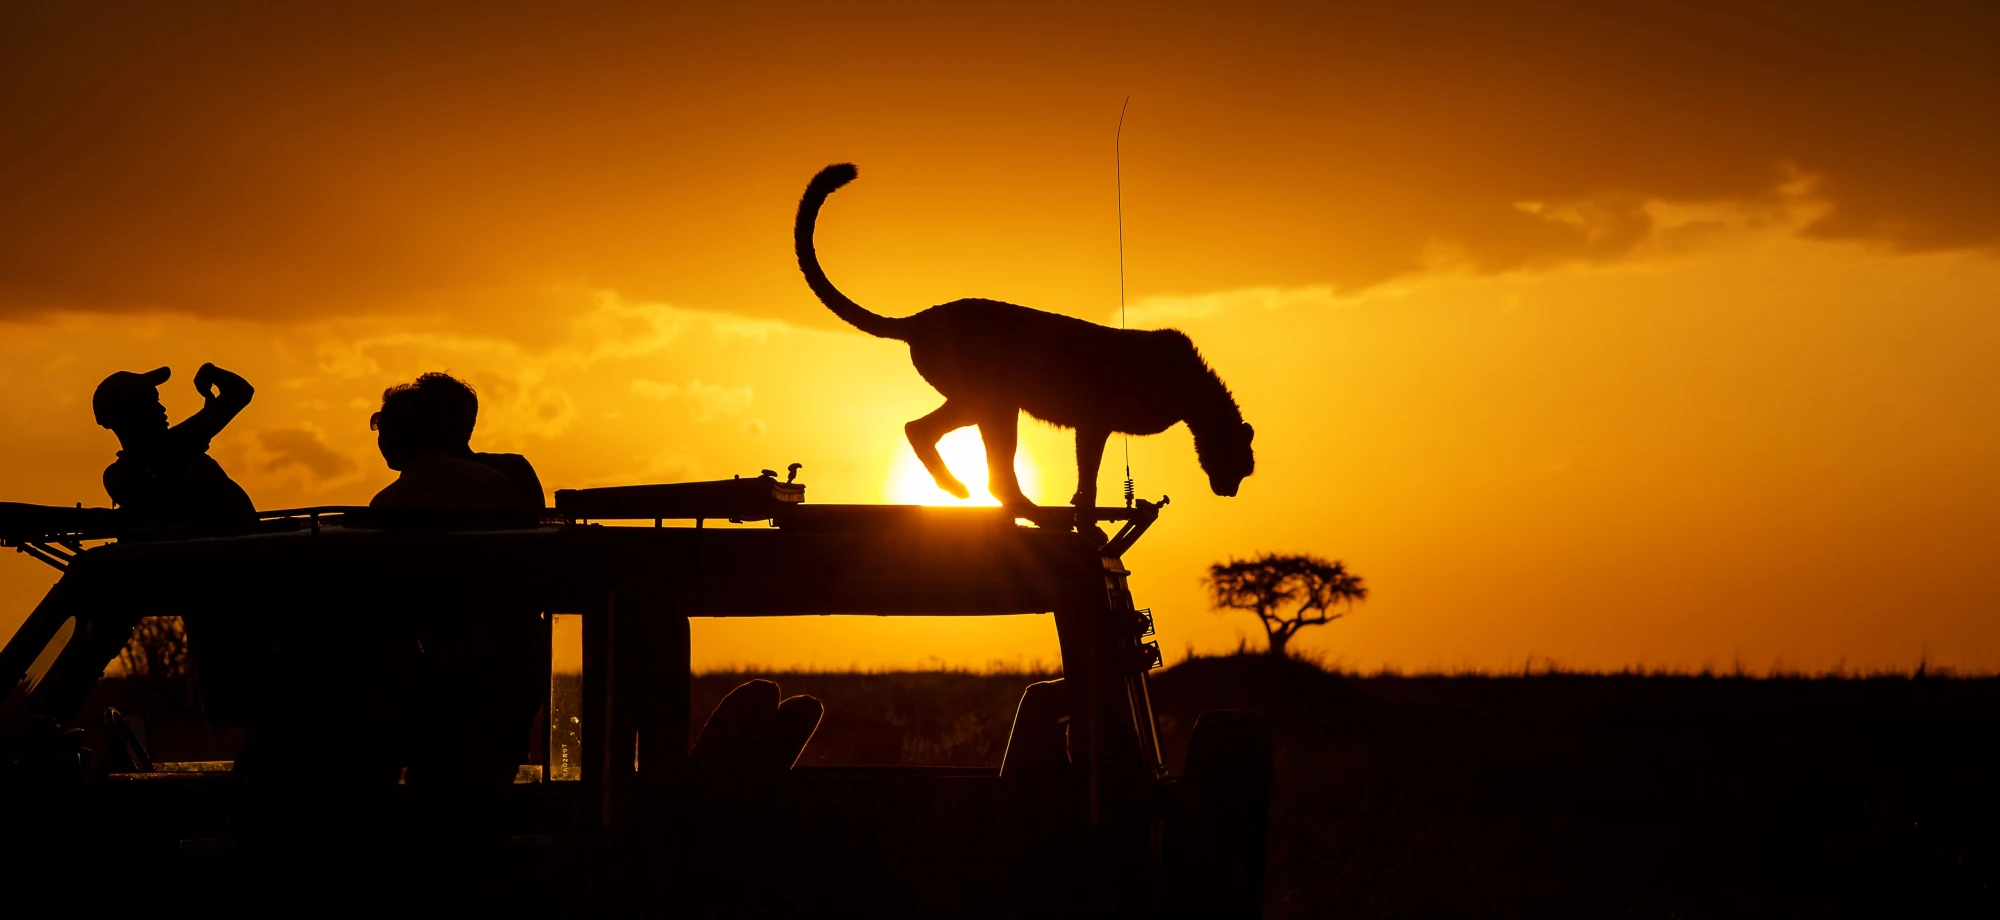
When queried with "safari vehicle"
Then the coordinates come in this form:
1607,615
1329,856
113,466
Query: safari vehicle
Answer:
1118,835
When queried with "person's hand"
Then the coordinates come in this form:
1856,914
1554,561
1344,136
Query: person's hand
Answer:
205,381
223,395
211,381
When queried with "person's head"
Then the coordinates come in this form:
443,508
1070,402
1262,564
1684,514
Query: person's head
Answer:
428,414
129,404
461,405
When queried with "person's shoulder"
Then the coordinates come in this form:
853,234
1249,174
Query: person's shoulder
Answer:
506,463
129,469
519,472
474,469
391,495
447,482
484,486
493,489
116,475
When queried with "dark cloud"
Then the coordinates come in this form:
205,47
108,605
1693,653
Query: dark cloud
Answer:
303,447
297,159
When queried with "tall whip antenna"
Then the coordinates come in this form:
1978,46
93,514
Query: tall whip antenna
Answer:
1118,173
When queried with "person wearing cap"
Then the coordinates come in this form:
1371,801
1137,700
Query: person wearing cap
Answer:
164,475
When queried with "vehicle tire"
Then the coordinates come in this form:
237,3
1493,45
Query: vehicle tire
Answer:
1216,850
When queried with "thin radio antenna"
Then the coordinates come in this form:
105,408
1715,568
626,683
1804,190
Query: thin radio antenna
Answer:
1118,176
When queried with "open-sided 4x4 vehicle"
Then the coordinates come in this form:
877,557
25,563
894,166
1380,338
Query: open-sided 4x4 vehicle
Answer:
1116,836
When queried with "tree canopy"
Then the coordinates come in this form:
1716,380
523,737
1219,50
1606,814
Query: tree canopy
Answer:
1287,591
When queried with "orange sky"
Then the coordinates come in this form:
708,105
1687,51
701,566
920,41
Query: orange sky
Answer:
1662,337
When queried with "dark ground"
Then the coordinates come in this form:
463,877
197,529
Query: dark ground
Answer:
1614,796
1543,795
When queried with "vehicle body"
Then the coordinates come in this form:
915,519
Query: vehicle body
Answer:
1120,836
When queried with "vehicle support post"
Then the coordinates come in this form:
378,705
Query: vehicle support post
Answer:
1096,644
104,623
645,710
596,709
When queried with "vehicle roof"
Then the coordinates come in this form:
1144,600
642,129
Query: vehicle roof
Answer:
822,559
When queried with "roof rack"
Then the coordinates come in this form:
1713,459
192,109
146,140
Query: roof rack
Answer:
764,498
54,534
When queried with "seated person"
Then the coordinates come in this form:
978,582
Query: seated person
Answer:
753,737
417,433
483,676
1038,744
463,404
750,742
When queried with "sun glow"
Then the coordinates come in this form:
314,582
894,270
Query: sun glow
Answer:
965,455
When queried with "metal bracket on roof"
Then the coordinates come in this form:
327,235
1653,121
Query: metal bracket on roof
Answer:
1145,513
56,558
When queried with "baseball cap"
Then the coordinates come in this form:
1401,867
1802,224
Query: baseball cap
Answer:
123,388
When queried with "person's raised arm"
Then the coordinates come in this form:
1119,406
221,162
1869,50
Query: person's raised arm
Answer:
223,395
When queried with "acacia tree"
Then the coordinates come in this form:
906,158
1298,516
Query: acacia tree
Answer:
1287,591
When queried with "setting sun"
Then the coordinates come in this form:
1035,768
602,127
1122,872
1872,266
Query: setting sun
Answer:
965,455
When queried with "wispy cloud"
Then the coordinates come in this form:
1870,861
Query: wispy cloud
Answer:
707,401
303,447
